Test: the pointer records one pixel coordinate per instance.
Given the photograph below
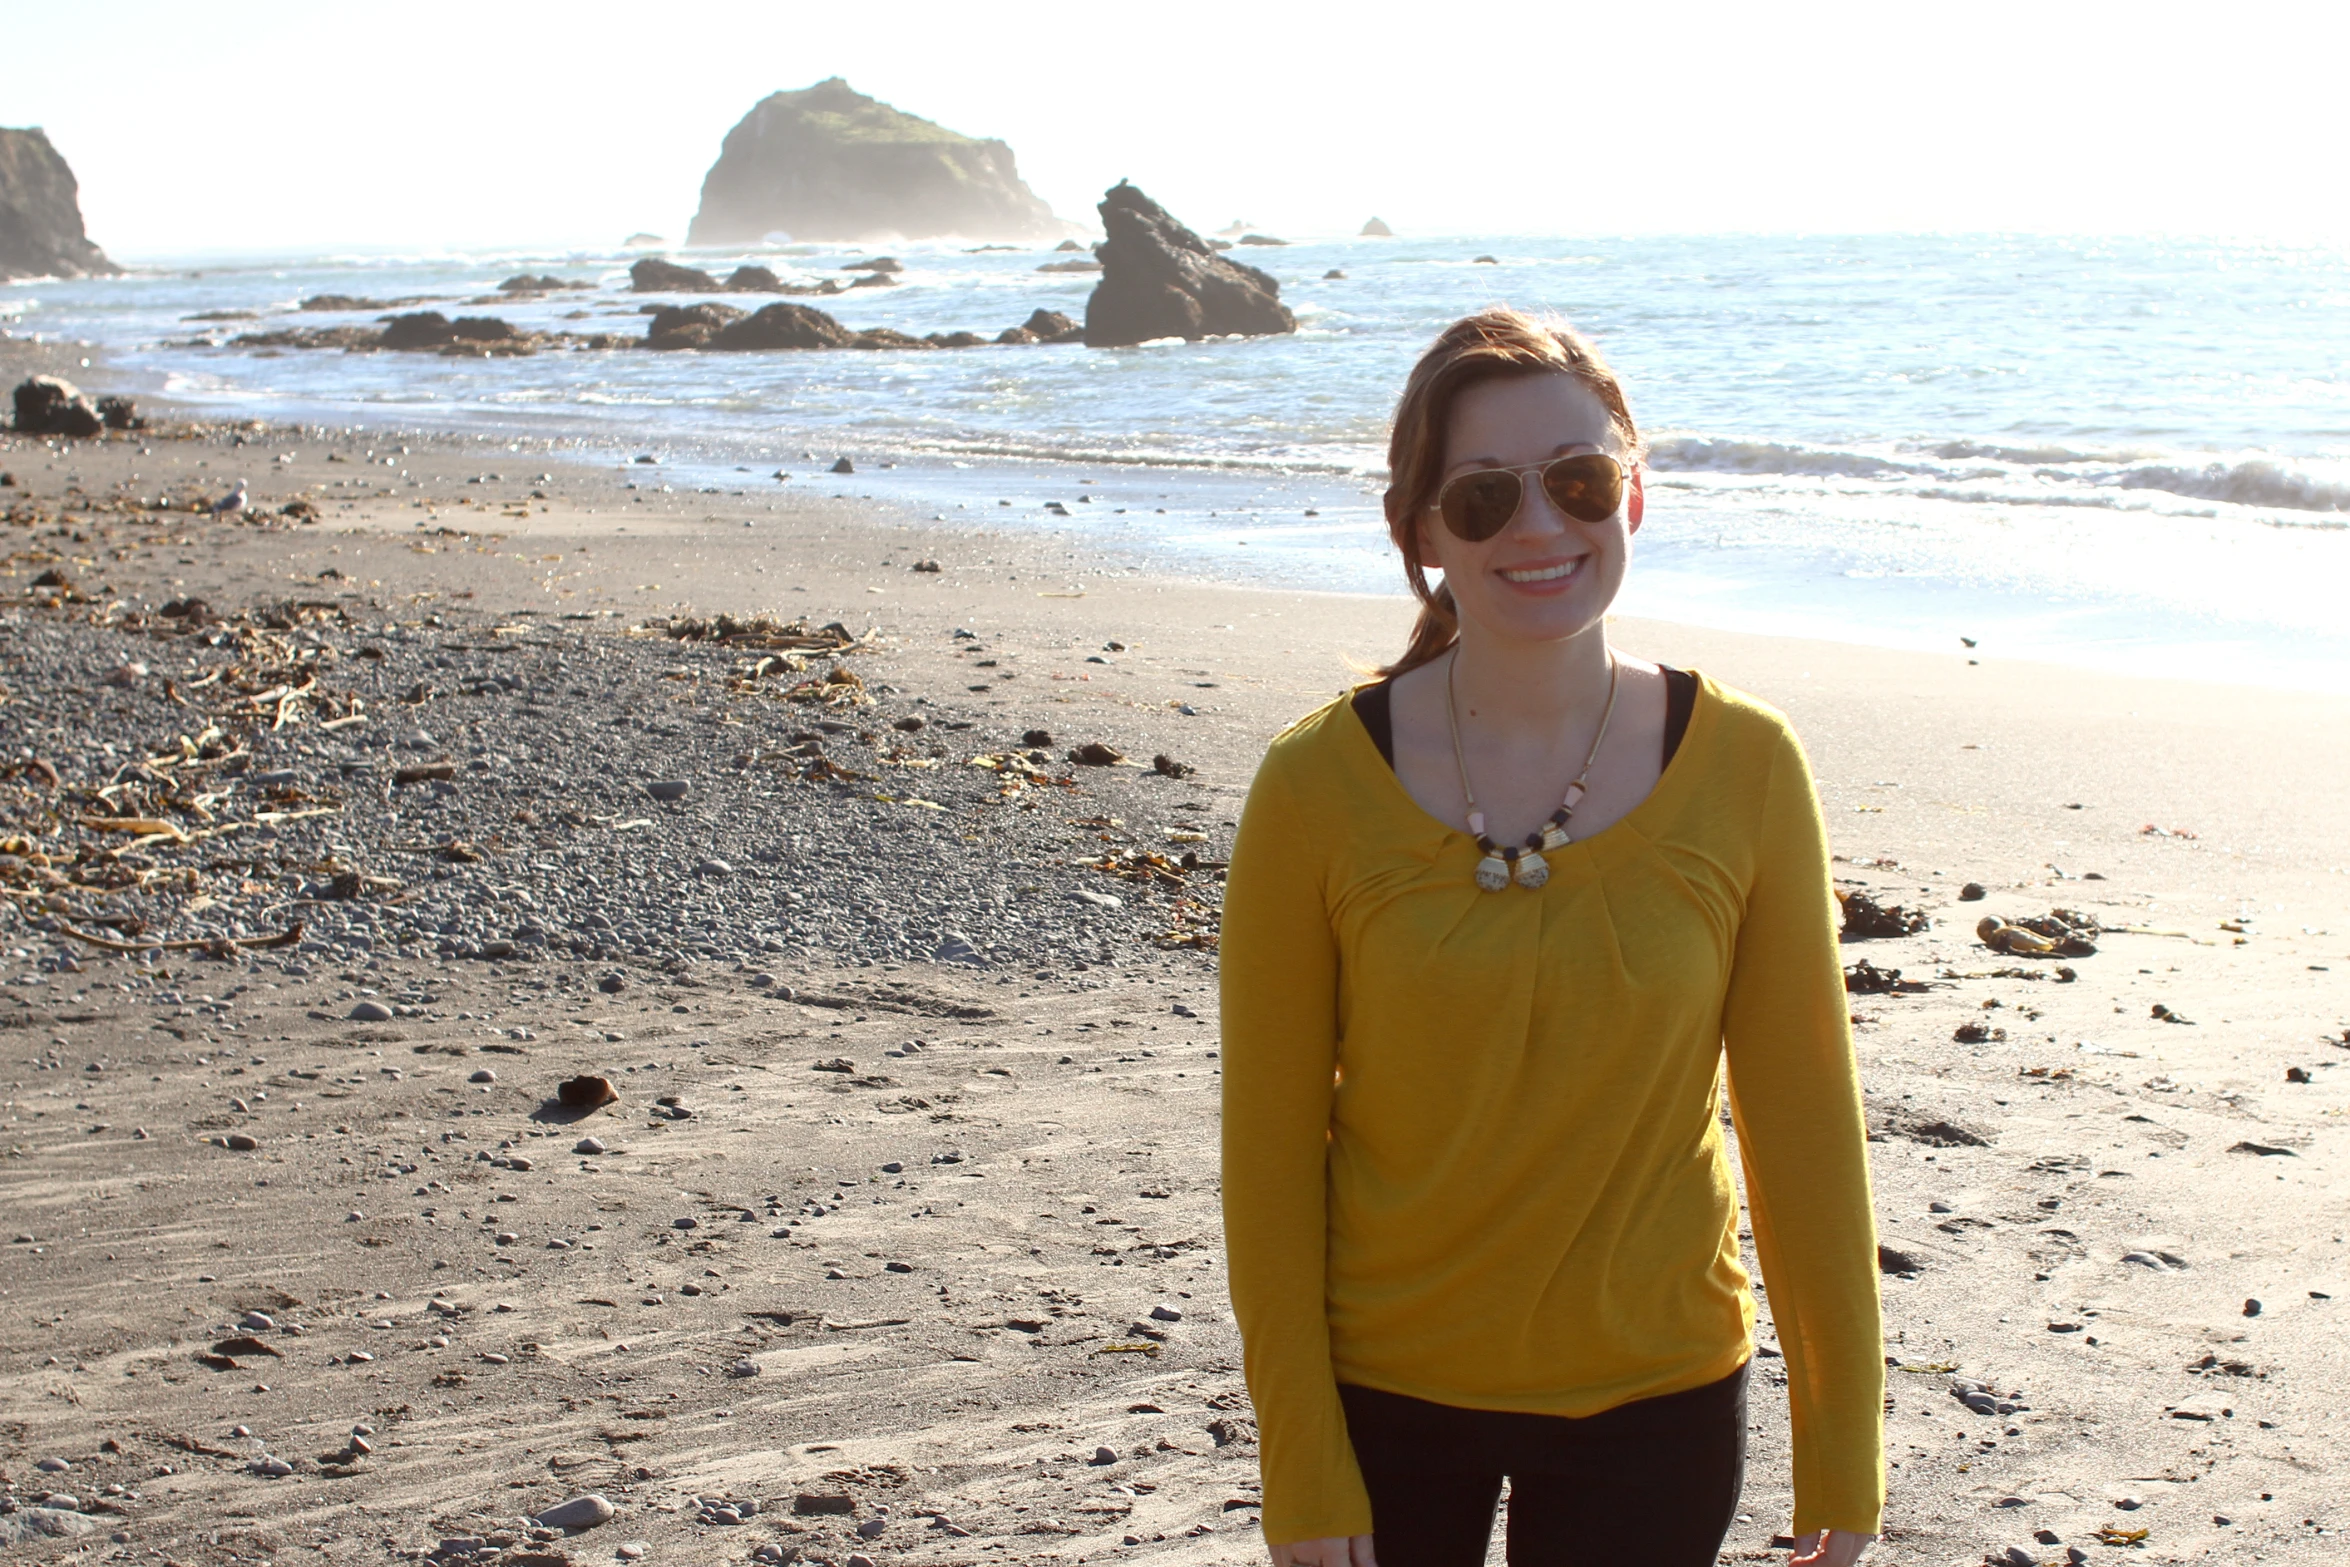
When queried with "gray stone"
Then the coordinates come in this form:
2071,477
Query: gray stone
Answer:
669,789
581,1512
370,1012
1167,1313
588,1145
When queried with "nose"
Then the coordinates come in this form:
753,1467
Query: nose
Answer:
1536,517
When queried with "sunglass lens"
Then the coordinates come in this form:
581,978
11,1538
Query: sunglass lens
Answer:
1588,489
1477,506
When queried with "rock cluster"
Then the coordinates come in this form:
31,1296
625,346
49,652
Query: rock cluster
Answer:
654,275
1159,279
784,326
829,163
41,231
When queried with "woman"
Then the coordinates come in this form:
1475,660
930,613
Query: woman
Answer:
1493,925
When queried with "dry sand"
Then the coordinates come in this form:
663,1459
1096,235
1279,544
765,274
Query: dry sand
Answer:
952,1346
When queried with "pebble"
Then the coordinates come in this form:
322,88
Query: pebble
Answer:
713,868
634,1550
241,1142
493,1359
484,1075
581,1512
589,1145
871,1528
275,1468
669,789
53,1466
743,1368
370,1012
256,1322
1104,1455
1167,1313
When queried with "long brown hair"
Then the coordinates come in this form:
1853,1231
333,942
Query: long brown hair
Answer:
1490,345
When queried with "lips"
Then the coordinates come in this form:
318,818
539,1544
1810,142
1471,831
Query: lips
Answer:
1533,574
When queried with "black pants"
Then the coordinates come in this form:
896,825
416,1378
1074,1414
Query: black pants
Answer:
1654,1481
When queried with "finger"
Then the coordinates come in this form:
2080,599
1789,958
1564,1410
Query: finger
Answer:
1359,1548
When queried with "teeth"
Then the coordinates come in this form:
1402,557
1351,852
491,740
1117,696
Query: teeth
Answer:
1545,574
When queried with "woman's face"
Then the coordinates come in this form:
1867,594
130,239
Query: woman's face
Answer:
1545,576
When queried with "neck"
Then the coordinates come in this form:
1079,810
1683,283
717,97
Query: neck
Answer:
1500,680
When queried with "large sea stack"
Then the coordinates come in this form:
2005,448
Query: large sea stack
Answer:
1159,279
829,163
41,213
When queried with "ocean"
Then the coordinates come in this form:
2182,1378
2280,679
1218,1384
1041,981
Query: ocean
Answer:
2128,454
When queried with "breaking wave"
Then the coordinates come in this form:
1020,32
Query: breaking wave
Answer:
2027,475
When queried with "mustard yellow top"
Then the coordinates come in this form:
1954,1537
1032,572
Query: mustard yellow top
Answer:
1473,1149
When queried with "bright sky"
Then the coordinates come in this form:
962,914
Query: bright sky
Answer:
273,125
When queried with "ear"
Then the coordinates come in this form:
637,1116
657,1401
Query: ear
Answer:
1638,501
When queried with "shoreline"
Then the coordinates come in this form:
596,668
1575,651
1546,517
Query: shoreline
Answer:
2039,1175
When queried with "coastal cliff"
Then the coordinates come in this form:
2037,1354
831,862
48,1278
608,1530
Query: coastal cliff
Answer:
829,163
40,213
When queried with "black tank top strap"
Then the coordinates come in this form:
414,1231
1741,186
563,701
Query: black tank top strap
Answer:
1374,705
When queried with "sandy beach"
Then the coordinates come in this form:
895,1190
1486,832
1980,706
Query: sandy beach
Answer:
958,1299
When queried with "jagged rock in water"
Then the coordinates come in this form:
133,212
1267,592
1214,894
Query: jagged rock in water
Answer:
753,280
1377,229
829,163
48,405
689,326
419,329
1159,279
41,231
1050,326
653,275
784,326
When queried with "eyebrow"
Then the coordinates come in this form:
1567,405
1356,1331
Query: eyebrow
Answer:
1563,449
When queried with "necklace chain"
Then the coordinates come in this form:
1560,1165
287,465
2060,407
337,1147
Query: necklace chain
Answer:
1524,865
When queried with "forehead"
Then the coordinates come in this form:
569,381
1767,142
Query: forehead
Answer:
1524,418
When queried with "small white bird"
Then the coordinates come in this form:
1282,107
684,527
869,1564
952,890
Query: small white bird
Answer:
231,503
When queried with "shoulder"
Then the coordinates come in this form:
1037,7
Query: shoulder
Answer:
1323,742
1744,724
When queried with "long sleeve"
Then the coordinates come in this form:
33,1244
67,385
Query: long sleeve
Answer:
1280,1048
1796,1103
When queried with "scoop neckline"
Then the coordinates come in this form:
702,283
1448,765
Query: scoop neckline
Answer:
1701,714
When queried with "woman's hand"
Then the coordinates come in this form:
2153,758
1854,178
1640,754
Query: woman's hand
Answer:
1830,1548
1336,1551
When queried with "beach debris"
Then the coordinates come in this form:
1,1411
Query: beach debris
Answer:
1093,753
2060,933
2264,1150
1978,1034
2150,830
586,1092
2297,1074
1900,1263
2165,1014
1167,767
1866,979
669,790
1973,892
1865,919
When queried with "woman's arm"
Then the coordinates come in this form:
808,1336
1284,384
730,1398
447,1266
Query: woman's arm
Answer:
1280,1051
1795,1098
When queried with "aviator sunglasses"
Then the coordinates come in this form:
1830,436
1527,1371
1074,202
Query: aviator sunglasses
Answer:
1588,487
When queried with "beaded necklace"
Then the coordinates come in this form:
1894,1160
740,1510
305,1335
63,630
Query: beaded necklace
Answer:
1523,864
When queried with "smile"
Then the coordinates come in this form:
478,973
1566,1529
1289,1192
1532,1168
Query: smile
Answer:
1542,573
